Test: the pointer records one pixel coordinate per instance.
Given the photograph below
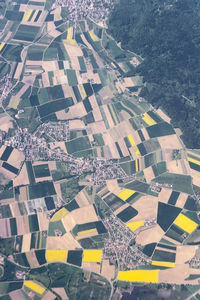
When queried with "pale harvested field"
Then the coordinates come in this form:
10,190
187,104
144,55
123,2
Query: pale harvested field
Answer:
48,296
18,70
123,148
15,209
26,242
81,199
49,65
75,63
76,125
7,173
195,177
61,292
147,207
108,116
22,177
94,267
17,295
16,158
149,175
145,133
175,166
40,179
97,114
170,142
65,242
73,50
61,115
107,270
52,165
163,115
114,151
43,221
181,200
133,154
185,253
22,225
128,82
97,127
164,195
77,111
31,257
113,186
115,133
124,129
22,195
68,222
5,230
93,102
86,42
178,275
172,241
2,149
58,190
151,235
84,215
5,123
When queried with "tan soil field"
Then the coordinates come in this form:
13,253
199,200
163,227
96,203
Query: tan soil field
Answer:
5,230
181,200
107,270
22,177
81,199
147,207
151,235
163,115
48,296
26,242
17,295
65,242
177,275
185,253
43,221
94,267
149,175
164,195
170,142
61,292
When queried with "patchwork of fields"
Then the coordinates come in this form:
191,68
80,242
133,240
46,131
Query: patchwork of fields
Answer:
81,150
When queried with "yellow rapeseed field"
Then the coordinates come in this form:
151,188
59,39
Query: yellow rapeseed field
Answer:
2,45
27,15
80,233
82,90
163,264
93,36
56,255
34,286
92,255
133,144
139,275
148,119
185,223
135,225
15,103
125,194
59,215
195,161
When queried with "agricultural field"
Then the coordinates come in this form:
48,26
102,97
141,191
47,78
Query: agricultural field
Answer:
97,190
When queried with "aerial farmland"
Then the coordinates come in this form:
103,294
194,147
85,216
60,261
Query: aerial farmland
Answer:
97,190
